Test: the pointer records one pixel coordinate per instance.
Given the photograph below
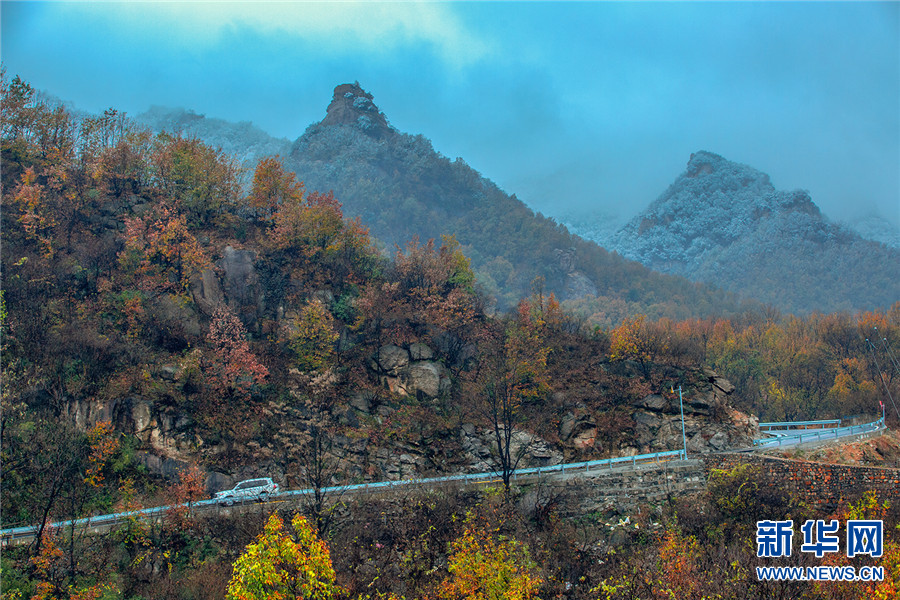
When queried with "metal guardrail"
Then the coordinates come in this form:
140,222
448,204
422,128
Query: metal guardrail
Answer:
788,425
797,437
785,437
9,535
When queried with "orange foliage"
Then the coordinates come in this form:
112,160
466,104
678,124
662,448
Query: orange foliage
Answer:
163,251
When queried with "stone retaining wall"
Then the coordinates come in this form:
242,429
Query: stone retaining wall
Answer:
819,484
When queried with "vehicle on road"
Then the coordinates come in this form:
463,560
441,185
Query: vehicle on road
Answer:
251,489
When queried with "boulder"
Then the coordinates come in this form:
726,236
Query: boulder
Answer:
653,402
420,352
241,281
427,378
206,291
723,384
392,358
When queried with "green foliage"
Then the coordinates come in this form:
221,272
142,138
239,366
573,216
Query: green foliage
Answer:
201,180
312,337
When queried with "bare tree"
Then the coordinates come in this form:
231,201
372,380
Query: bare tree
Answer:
512,371
320,468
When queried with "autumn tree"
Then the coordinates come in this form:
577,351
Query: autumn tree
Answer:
231,372
485,565
161,252
37,218
431,295
199,180
311,232
284,565
511,373
312,337
273,187
184,491
631,340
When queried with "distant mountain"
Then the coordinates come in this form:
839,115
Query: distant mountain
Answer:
600,226
724,223
401,188
244,140
877,229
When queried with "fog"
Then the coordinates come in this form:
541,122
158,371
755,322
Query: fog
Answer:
581,107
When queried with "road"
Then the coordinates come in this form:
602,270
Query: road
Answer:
101,523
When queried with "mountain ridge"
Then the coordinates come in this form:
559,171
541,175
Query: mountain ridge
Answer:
725,223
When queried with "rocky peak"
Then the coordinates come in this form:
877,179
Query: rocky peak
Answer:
352,105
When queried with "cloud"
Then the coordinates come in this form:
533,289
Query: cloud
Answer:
335,27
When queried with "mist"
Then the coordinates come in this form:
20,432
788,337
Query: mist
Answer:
591,108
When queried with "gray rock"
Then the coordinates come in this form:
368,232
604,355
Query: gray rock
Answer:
567,426
420,352
648,419
216,482
360,401
719,441
653,402
241,279
206,291
723,384
424,377
392,358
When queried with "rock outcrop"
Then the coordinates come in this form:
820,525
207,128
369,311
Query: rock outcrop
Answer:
352,105
711,424
410,371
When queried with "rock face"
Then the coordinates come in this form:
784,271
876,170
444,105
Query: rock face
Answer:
206,291
241,283
409,372
479,445
710,423
352,105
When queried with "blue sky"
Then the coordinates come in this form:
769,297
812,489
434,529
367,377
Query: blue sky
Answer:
583,105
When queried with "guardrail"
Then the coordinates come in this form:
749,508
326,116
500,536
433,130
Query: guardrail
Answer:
795,438
788,425
9,535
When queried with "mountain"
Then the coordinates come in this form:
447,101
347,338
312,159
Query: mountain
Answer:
401,188
243,140
724,223
877,229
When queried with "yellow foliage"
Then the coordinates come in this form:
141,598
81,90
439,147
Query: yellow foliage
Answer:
485,566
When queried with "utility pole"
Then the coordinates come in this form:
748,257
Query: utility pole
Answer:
681,405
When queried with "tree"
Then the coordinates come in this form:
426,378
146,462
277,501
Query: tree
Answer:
162,252
513,371
484,565
230,372
272,186
319,465
284,565
187,489
431,294
200,180
632,341
233,368
312,337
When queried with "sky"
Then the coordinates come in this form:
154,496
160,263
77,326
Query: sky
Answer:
574,107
